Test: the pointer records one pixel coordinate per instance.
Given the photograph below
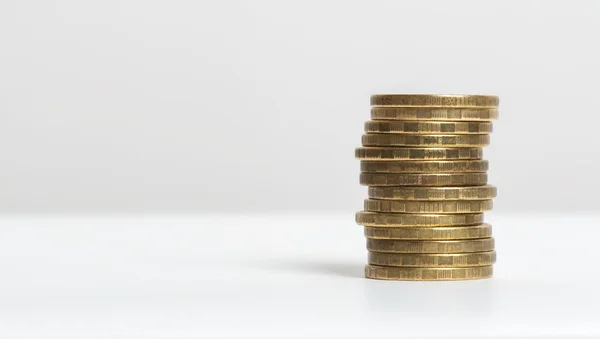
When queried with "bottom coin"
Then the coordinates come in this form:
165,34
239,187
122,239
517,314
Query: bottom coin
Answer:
421,273
433,260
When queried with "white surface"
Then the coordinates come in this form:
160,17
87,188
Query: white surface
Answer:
282,277
216,106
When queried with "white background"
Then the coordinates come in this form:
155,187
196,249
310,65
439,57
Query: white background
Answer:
298,276
233,107
239,106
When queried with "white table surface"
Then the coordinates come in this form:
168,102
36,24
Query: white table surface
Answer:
286,276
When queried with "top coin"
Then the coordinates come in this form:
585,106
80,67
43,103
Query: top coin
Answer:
434,100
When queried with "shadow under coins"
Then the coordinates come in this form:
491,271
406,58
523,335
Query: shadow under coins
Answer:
325,268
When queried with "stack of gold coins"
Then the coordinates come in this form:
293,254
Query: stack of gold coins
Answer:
422,160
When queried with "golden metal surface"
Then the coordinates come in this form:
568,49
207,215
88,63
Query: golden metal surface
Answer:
423,179
430,233
416,153
422,161
430,273
453,100
425,140
434,113
433,193
369,166
433,260
430,246
413,206
420,220
428,127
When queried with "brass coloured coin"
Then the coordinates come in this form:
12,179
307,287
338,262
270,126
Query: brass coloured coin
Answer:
416,166
416,153
433,260
434,113
435,166
442,100
430,233
426,140
413,206
423,179
428,273
433,193
428,127
430,246
421,220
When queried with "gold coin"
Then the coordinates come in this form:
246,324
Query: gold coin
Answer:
441,100
429,273
430,233
430,127
397,153
422,220
423,179
433,260
433,193
423,140
461,166
434,113
413,206
430,246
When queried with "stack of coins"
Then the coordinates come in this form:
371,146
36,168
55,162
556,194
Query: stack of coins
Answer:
422,160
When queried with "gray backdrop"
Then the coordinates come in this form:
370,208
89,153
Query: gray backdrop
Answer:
239,106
